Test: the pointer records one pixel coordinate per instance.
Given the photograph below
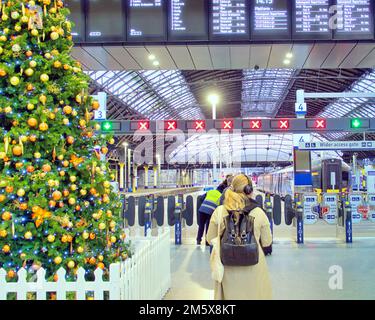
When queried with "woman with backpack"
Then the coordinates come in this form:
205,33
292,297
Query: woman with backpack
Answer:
238,230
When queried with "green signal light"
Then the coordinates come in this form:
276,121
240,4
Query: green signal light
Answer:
107,126
356,124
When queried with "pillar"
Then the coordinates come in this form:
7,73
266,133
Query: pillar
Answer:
178,178
156,173
135,176
129,181
146,177
122,184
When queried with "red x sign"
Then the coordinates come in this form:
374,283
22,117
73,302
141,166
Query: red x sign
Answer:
143,125
255,124
320,124
284,124
200,125
170,125
228,124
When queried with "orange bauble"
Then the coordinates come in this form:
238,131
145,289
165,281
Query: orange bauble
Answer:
52,204
43,126
65,193
46,168
32,138
17,151
30,169
19,165
23,206
32,122
61,204
104,150
70,140
2,198
56,195
67,110
6,249
92,261
29,54
101,265
11,274
9,189
92,236
6,216
95,105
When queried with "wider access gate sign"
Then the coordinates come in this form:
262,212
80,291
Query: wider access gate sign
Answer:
338,145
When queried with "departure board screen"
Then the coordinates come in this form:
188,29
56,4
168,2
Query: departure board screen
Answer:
229,19
78,18
354,20
147,20
311,20
188,20
270,19
105,20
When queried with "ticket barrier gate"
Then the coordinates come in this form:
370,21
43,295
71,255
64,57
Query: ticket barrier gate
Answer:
150,213
306,210
180,213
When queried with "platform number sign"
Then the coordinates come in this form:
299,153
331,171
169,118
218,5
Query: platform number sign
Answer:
330,209
301,108
101,113
310,209
371,198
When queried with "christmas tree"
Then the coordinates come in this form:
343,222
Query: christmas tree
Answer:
57,208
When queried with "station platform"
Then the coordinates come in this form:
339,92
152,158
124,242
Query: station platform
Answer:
297,272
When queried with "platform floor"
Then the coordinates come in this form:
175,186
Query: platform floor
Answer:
297,272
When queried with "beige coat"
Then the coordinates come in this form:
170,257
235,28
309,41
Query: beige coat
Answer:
244,283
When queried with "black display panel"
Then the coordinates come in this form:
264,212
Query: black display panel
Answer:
147,20
77,16
270,19
188,20
229,20
105,21
354,20
310,20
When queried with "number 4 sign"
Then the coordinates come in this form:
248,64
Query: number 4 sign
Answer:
101,113
301,108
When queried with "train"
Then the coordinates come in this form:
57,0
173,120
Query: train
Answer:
328,175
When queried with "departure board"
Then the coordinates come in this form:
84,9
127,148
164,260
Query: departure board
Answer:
188,20
147,20
354,20
229,20
311,20
270,19
105,20
78,18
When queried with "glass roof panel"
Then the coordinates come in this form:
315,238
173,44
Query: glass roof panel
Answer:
262,90
155,94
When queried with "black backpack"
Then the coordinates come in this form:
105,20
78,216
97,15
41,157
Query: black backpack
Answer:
238,244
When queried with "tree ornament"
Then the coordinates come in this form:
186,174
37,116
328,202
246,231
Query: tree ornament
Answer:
28,235
32,122
54,35
17,151
15,81
6,216
57,260
43,126
33,64
44,77
6,249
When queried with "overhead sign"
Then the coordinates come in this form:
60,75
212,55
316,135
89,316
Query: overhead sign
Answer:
338,145
301,108
101,113
301,138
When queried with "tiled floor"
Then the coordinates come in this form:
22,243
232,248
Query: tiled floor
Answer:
297,272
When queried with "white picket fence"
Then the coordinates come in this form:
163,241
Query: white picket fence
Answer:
146,276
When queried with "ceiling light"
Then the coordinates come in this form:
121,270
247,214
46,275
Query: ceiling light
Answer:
151,57
213,98
156,63
289,55
286,61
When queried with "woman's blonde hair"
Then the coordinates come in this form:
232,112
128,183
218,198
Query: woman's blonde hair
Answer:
235,198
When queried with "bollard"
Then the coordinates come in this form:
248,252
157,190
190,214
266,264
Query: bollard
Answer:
299,216
148,214
348,222
178,226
